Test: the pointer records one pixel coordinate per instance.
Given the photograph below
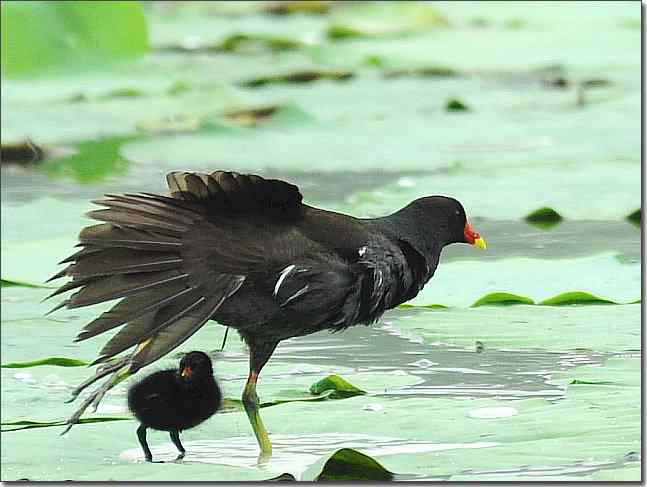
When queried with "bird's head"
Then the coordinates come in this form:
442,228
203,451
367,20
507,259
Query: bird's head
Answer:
443,219
195,366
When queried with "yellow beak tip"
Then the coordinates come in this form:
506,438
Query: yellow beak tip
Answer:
480,243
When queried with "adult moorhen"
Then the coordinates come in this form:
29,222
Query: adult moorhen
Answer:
248,253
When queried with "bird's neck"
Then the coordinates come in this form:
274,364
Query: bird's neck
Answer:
401,226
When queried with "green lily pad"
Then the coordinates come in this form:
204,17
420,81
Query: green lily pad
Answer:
590,382
348,464
635,217
284,477
297,7
94,162
544,218
456,105
502,299
340,387
17,283
383,19
424,72
58,361
241,43
66,35
122,93
427,306
29,424
575,297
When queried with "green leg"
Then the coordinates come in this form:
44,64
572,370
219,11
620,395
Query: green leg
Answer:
259,354
251,404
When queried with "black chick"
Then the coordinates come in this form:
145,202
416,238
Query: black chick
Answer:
175,400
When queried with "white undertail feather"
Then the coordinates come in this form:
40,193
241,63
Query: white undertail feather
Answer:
282,276
297,294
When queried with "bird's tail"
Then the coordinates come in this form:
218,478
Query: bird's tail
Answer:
141,256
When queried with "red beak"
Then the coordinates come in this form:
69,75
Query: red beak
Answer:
187,373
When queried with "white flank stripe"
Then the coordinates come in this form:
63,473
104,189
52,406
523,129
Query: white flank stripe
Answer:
297,294
282,276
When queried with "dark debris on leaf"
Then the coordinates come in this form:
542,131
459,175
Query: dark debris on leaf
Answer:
591,382
298,77
252,116
239,44
425,72
298,7
22,153
122,93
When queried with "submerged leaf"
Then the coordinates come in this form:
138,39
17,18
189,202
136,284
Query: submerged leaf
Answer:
502,299
340,387
349,464
178,88
59,361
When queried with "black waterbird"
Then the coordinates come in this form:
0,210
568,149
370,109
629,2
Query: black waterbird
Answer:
175,400
248,253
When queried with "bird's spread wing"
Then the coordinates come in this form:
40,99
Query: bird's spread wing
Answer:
174,260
